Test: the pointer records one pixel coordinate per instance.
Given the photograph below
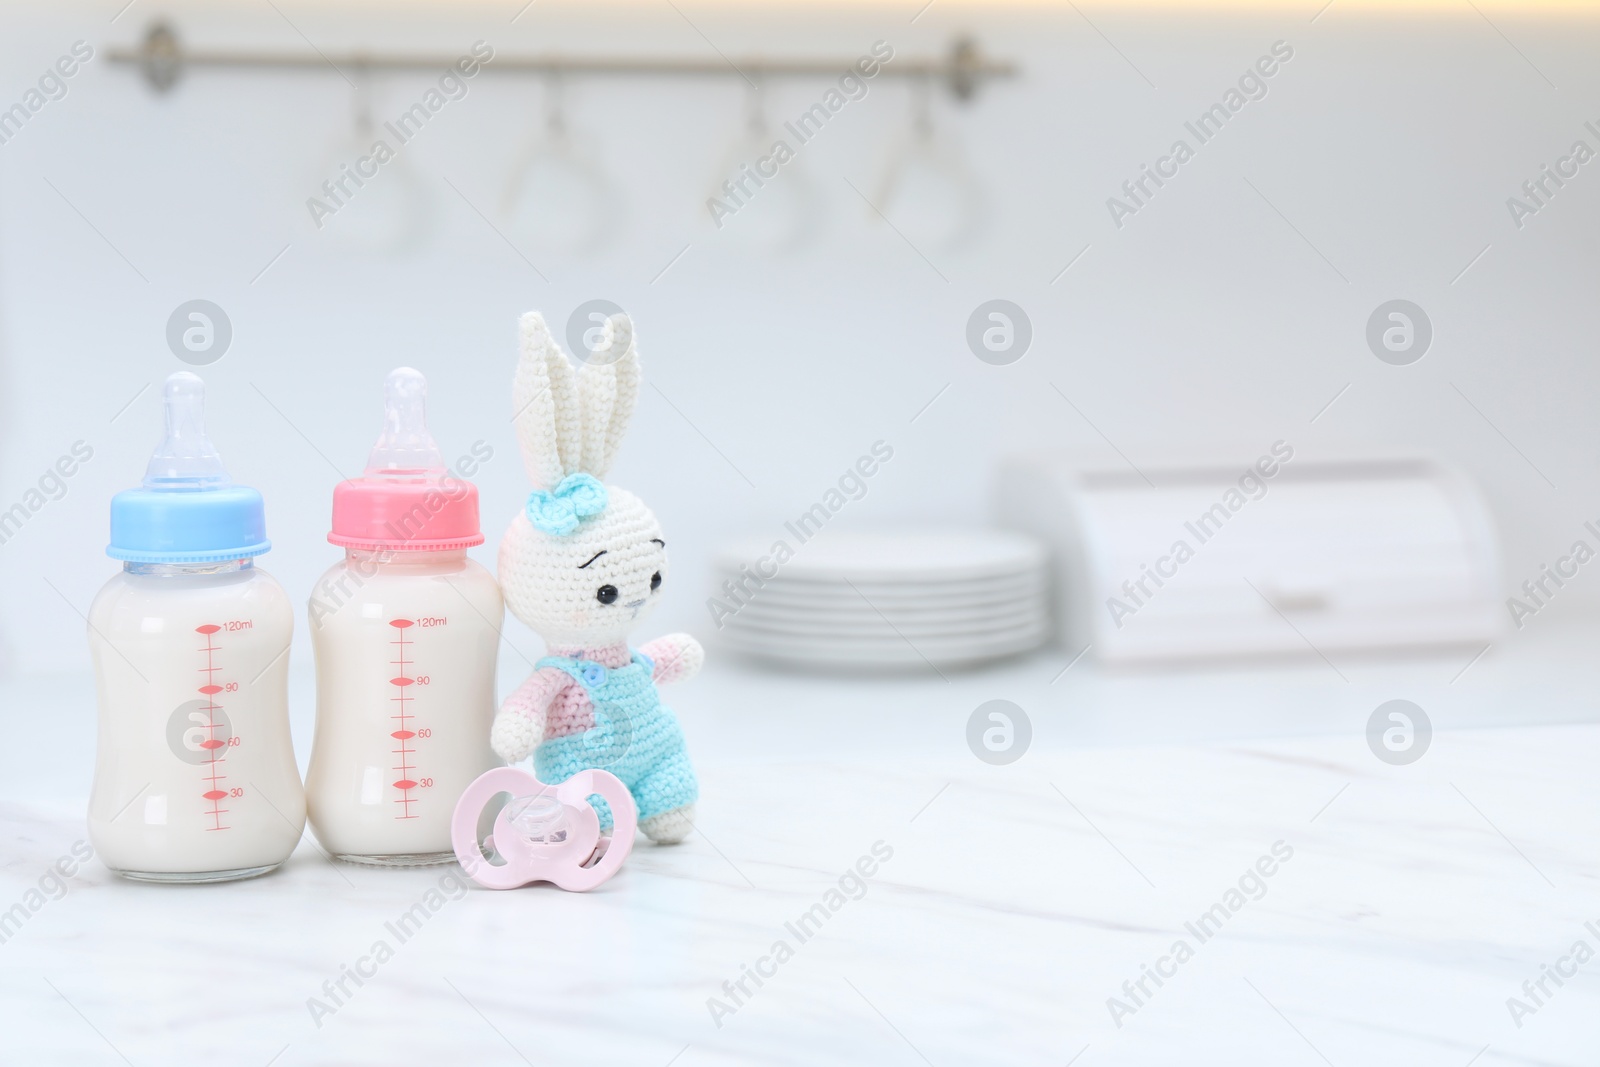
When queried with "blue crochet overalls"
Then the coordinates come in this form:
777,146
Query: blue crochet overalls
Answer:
635,737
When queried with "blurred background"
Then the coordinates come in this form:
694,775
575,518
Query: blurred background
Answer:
1168,335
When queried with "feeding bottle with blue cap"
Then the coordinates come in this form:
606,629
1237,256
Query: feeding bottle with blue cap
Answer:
195,777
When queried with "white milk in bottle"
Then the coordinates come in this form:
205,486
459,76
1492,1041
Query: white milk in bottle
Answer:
406,630
195,778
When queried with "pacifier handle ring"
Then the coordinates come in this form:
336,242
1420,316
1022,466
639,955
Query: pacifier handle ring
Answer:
624,822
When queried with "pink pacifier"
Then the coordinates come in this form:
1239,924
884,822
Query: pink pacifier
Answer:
545,833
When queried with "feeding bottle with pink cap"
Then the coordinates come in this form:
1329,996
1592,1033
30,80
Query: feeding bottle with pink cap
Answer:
406,630
195,777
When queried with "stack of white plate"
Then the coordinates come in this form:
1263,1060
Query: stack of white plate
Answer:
871,601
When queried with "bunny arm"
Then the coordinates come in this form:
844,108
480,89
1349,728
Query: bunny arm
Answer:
520,725
677,657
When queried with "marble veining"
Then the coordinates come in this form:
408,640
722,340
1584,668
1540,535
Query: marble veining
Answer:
1016,902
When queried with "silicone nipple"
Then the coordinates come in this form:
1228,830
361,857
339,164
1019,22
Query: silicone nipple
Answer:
405,449
539,819
186,459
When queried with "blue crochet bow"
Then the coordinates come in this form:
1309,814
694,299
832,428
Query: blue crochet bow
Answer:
577,497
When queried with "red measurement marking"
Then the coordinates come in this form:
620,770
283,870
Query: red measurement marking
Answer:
212,743
402,681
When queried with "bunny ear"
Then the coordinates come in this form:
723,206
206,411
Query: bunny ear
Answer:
597,389
626,371
568,408
546,405
534,408
570,421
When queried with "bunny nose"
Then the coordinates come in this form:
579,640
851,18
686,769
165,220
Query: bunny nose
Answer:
634,603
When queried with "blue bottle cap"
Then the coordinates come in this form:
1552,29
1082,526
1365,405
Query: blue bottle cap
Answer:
187,510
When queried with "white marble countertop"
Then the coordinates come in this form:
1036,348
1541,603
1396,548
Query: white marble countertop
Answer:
1018,898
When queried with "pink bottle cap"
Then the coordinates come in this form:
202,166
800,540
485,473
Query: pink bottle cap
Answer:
407,500
546,833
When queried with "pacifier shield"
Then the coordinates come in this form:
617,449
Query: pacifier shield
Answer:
544,833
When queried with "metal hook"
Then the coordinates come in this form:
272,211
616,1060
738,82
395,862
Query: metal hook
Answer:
922,108
555,119
363,95
965,69
755,107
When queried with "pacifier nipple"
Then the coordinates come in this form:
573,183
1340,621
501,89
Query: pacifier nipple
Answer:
405,449
539,819
186,459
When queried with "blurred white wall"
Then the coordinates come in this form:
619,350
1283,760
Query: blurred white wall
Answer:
1223,316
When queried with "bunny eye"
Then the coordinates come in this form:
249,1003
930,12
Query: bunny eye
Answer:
655,581
606,594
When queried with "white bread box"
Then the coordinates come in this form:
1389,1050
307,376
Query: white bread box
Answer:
1278,555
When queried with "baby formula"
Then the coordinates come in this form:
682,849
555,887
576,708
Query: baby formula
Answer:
195,777
406,631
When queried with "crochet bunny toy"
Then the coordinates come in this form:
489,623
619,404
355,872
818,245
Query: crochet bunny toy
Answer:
581,565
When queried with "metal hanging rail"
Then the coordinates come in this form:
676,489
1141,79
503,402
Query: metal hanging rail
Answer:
162,60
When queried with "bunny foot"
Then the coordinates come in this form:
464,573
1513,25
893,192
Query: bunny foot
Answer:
669,827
